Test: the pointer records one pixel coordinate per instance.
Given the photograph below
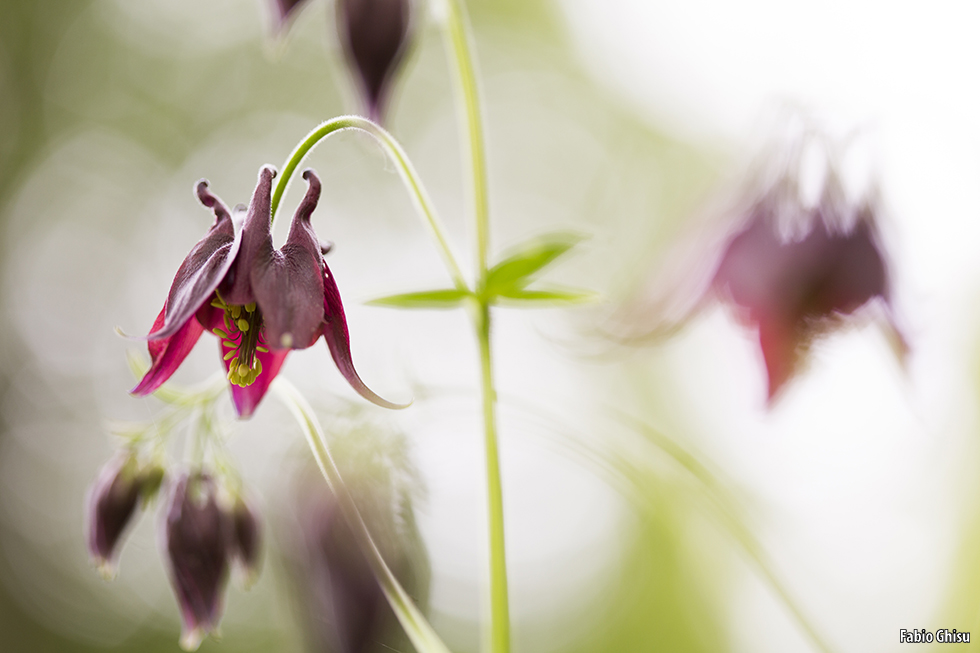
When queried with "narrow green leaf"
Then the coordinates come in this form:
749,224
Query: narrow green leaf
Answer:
439,299
530,257
549,296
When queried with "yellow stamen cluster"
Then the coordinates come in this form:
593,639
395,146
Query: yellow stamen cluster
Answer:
241,340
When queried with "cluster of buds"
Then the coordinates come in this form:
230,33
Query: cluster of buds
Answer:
374,35
204,530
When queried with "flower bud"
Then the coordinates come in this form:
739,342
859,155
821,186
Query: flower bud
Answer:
111,504
196,542
374,34
246,540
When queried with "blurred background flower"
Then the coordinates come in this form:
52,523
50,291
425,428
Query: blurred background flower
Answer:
700,522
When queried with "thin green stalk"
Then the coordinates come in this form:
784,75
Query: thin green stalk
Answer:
419,631
408,174
459,44
499,609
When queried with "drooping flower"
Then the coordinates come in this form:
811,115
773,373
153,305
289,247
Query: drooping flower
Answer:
196,537
793,287
260,302
111,505
793,265
374,35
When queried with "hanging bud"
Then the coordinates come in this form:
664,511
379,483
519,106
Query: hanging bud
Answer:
374,35
246,540
196,539
112,502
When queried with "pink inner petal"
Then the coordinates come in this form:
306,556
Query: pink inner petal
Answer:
167,354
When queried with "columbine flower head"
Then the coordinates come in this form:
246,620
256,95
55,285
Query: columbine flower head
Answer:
196,539
793,268
795,272
259,301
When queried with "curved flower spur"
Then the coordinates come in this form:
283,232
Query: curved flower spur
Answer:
261,302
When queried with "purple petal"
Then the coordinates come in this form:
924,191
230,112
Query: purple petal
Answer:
338,340
288,284
373,34
247,399
167,354
256,241
204,268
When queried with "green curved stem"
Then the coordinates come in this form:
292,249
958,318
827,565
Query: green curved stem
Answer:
458,43
405,168
459,39
418,629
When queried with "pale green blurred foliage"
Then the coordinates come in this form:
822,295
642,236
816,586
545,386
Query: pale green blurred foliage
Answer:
110,111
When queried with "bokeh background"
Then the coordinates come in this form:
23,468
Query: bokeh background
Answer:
653,501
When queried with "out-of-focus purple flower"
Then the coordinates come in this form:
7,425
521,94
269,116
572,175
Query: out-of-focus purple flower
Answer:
246,540
794,286
259,301
792,268
112,503
196,538
345,609
374,34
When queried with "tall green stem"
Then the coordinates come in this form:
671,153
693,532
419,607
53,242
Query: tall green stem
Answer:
458,35
459,45
499,609
408,174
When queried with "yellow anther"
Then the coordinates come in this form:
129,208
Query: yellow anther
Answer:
250,307
236,311
258,366
230,354
229,343
264,350
217,303
220,333
242,324
227,321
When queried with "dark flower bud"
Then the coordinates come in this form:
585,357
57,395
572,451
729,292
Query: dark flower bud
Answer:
112,502
374,34
196,541
246,540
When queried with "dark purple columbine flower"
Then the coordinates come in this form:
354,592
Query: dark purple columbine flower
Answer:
374,34
196,538
260,302
111,505
795,271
